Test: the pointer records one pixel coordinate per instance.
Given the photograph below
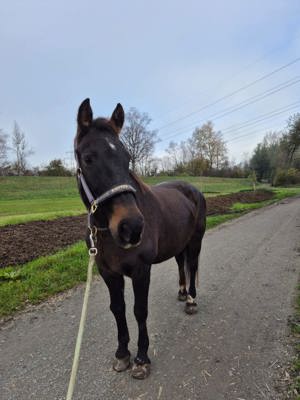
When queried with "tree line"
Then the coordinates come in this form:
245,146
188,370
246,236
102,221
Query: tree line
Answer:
276,159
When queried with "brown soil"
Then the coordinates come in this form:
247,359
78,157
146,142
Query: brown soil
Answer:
24,242
222,204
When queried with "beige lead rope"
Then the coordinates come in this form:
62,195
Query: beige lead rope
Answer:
81,327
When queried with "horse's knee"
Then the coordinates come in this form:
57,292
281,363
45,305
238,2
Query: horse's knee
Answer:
117,309
141,313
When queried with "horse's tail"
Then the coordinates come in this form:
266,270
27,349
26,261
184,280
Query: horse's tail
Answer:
194,246
200,213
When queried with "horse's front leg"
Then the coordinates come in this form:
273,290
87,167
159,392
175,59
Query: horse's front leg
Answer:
115,284
141,282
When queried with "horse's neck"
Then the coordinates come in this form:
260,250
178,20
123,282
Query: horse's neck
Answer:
139,185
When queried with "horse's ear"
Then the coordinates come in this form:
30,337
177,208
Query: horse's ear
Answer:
85,115
117,118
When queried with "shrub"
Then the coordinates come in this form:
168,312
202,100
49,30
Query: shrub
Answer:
286,177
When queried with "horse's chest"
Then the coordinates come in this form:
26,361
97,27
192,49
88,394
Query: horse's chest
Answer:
124,261
110,261
116,261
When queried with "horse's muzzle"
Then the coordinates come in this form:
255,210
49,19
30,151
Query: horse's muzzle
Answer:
130,231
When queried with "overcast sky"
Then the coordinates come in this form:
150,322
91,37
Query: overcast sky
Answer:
167,58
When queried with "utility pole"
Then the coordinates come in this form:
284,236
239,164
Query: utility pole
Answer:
70,159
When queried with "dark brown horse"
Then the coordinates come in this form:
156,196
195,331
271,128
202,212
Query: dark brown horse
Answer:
137,226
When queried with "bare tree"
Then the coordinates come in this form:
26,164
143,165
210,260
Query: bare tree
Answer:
3,152
209,145
138,138
173,151
165,164
21,150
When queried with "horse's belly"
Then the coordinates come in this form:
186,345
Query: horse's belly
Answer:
174,235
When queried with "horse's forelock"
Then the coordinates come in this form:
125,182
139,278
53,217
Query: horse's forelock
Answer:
104,124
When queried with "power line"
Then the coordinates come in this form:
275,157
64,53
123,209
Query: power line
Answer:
233,76
239,106
232,93
242,136
261,117
253,132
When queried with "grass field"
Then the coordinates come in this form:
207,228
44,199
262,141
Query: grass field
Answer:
24,199
29,198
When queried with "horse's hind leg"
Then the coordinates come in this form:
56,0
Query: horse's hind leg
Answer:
192,266
182,293
192,259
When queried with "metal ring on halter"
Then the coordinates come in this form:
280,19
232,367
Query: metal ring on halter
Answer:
93,251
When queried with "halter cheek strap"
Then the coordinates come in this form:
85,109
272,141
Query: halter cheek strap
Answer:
105,196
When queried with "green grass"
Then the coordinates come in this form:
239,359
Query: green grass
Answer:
215,220
241,207
32,198
41,278
208,185
283,192
37,187
46,216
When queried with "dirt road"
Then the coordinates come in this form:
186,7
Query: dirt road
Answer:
232,349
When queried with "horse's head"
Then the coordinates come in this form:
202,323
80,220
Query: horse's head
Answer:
104,162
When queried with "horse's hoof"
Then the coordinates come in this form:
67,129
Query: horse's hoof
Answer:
182,295
140,371
121,364
191,308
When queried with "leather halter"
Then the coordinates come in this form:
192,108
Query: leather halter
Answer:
95,202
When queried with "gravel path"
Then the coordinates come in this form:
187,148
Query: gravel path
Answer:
232,349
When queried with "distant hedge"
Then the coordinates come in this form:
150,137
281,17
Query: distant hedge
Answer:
284,177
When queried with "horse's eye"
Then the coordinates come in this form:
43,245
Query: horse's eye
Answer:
88,159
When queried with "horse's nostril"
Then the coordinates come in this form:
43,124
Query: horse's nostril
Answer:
136,236
130,231
125,232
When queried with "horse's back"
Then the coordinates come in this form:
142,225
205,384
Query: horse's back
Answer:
185,188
